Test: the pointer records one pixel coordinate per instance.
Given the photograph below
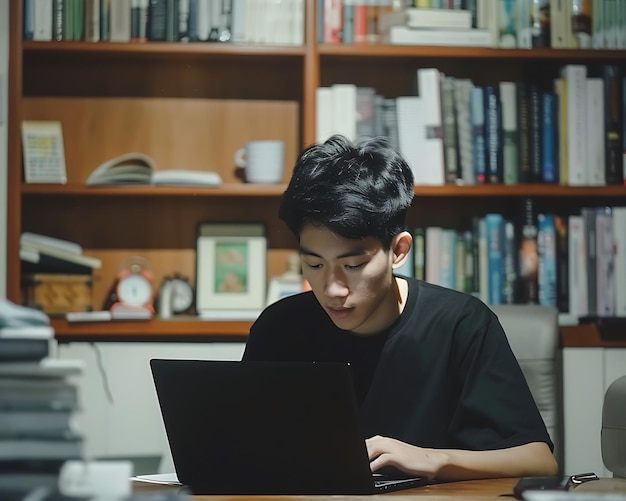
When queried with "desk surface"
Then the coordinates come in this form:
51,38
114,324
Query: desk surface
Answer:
471,490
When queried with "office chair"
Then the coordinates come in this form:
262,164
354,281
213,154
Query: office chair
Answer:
613,434
533,333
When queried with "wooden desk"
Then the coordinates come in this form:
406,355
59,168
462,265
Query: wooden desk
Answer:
471,490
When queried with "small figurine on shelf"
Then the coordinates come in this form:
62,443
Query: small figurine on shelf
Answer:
289,283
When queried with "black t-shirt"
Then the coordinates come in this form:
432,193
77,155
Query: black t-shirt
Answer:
442,376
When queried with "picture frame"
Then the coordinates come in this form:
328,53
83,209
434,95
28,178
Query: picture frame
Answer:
231,268
43,151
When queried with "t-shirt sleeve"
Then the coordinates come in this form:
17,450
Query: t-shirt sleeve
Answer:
496,408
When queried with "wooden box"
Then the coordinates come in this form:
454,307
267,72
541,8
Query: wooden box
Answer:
56,293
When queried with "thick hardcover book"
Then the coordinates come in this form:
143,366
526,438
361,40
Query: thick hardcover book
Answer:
34,261
546,245
157,20
37,423
493,135
462,105
575,76
39,448
430,121
528,253
613,97
403,35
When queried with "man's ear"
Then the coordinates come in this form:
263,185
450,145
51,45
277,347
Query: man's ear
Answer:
400,247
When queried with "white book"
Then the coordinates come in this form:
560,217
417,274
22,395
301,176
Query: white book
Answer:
577,255
344,109
42,20
575,76
595,132
619,238
323,114
558,27
39,241
203,24
238,20
28,332
605,263
403,35
410,117
439,18
297,22
120,21
433,254
431,134
89,261
597,19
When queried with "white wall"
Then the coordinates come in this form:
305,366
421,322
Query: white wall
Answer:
131,424
4,82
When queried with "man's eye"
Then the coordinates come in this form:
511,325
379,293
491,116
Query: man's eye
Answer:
354,267
313,266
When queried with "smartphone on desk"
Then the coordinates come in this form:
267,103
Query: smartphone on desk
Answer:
556,483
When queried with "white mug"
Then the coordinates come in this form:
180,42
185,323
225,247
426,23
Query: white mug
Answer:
263,161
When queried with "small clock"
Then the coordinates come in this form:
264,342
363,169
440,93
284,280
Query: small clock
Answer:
134,285
182,295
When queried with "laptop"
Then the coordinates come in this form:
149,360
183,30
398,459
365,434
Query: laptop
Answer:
266,428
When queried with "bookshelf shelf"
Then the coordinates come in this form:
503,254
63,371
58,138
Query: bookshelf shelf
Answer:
251,190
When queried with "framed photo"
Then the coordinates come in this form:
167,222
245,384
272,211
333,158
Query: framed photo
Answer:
231,261
44,154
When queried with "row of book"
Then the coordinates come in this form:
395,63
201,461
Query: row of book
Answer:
39,402
512,132
576,263
46,254
241,21
561,24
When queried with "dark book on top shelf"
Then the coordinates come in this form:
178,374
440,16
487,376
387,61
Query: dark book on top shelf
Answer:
614,171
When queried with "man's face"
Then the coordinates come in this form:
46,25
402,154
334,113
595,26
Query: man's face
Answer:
351,278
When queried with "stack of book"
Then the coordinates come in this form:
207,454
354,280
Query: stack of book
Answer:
45,254
38,405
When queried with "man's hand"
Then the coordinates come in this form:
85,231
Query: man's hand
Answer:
528,460
417,461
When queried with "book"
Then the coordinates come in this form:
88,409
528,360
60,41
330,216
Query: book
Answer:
577,251
36,255
510,139
477,115
18,349
137,168
431,18
546,245
29,393
40,448
495,257
528,253
45,368
37,423
605,263
575,77
619,237
596,154
44,242
611,76
403,35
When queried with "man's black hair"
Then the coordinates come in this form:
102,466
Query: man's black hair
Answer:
355,190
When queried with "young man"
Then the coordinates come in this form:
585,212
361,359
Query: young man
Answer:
440,392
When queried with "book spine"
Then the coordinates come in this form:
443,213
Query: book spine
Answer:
529,255
510,136
549,129
23,349
493,131
536,134
462,104
546,246
605,262
577,251
562,262
495,245
589,221
523,125
614,170
510,263
420,253
596,163
449,130
619,236
478,134
576,82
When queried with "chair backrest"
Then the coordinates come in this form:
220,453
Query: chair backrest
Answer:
613,434
533,333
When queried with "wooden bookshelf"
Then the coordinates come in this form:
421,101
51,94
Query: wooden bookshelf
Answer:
218,96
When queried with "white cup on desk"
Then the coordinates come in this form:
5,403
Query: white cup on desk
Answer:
263,161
